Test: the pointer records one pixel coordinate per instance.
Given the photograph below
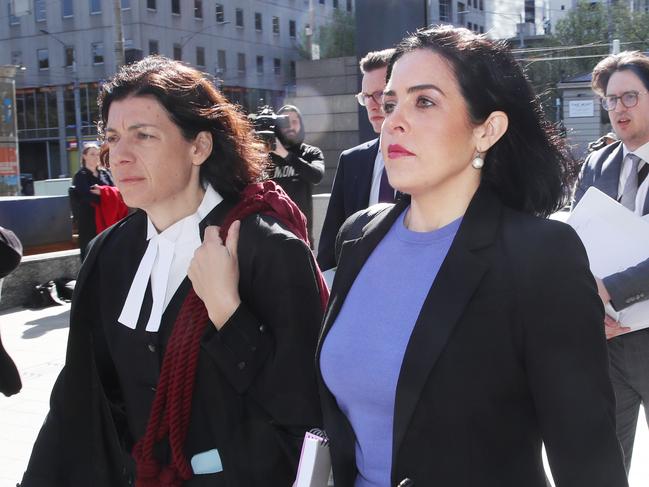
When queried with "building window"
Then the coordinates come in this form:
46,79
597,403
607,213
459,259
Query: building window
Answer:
43,57
260,64
69,56
200,56
40,10
126,4
178,52
481,5
67,10
151,4
322,2
221,63
17,58
292,73
481,29
291,29
13,20
258,22
95,7
461,13
198,9
241,62
335,3
175,7
97,52
444,11
469,25
277,66
154,48
276,26
349,5
220,13
239,17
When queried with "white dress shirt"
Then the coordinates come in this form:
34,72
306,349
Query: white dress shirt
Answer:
165,263
643,153
379,164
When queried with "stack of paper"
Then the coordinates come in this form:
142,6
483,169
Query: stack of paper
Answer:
615,239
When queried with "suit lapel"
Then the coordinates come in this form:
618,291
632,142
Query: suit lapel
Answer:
353,255
608,182
450,294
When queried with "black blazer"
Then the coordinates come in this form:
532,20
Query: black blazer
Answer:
350,193
255,392
508,351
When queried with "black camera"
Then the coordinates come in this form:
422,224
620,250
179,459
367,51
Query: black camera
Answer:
268,125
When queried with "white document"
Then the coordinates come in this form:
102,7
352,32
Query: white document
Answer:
615,239
314,469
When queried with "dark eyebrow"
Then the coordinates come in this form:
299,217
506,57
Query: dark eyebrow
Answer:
133,127
415,88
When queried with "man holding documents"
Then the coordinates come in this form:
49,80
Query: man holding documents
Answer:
620,170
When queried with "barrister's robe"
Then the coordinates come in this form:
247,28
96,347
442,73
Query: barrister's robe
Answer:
255,391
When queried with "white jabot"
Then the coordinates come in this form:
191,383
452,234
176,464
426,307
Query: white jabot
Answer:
165,262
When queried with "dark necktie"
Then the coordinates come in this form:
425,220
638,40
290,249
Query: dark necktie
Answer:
386,192
631,185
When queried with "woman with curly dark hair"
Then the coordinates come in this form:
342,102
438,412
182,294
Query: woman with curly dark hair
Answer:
481,333
194,365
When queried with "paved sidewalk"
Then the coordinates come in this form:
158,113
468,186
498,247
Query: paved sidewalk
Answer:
36,339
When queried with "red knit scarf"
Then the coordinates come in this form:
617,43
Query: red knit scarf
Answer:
171,409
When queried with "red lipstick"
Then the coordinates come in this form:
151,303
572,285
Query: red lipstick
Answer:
395,151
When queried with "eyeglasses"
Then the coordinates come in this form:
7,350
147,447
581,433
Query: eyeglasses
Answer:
362,98
629,99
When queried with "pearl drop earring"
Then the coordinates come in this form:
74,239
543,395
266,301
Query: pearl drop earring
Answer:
477,162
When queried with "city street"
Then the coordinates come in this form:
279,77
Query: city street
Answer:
36,339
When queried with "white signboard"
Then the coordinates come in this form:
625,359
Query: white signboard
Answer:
581,108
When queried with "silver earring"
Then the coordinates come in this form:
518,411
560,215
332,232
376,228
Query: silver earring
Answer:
477,162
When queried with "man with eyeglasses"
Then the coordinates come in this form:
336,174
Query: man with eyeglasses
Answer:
620,170
360,180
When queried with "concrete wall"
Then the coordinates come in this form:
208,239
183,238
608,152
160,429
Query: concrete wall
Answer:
37,220
325,96
37,269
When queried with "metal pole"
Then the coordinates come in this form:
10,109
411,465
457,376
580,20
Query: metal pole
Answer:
119,35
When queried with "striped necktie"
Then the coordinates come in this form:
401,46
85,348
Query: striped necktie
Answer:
631,185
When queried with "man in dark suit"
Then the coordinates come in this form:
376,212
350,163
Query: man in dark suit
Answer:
620,170
361,180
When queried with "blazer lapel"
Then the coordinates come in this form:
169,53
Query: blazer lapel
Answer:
608,182
451,292
353,255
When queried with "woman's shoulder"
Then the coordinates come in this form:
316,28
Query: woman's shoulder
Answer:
539,239
125,232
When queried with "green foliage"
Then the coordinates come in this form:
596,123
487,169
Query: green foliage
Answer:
336,38
588,25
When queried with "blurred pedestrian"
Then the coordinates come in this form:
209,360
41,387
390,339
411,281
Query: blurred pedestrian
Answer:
86,194
296,166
